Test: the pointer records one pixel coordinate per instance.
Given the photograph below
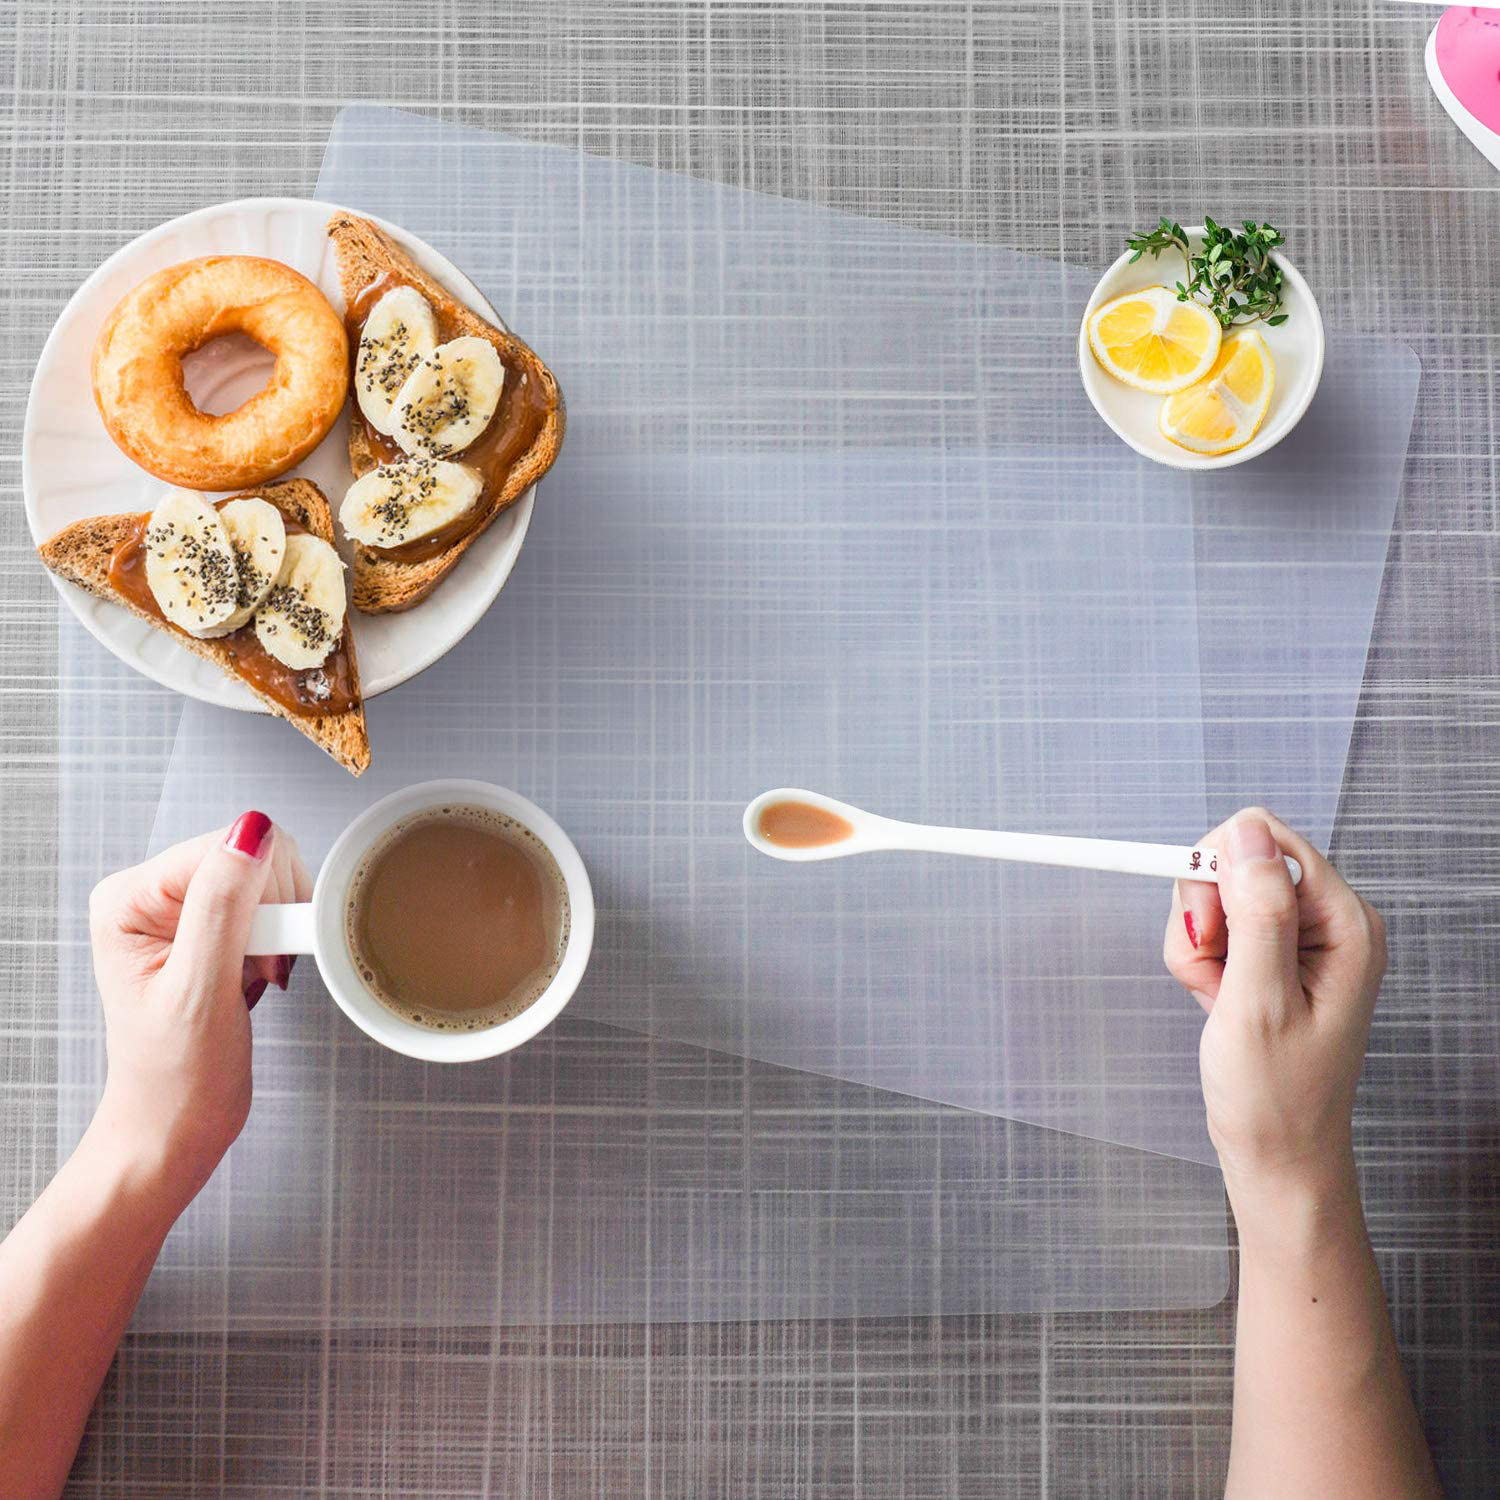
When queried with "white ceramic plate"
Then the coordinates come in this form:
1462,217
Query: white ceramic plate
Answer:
70,468
1296,347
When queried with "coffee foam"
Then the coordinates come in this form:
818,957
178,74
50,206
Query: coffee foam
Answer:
496,822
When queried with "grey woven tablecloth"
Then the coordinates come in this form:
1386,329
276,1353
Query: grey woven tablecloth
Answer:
1047,127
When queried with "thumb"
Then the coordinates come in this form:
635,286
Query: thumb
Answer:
1260,908
221,898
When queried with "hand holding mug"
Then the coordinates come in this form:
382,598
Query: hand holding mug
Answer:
169,939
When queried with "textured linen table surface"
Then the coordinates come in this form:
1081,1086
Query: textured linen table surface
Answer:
1050,128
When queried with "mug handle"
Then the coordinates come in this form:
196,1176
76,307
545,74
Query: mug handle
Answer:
282,929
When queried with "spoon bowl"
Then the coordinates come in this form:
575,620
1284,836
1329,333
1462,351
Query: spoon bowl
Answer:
868,831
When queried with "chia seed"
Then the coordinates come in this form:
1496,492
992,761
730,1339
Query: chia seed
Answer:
252,581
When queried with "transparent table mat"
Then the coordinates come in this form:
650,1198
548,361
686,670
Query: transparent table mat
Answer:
597,1176
831,511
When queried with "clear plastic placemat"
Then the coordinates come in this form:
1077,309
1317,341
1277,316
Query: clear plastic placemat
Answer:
867,445
596,1176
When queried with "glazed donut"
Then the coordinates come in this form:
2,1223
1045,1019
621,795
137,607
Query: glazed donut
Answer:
139,389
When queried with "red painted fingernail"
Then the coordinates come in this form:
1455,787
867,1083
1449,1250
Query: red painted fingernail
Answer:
248,833
253,991
283,970
1192,931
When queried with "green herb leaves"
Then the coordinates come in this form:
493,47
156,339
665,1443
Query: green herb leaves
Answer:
1233,274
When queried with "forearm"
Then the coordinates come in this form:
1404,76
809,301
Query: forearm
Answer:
71,1272
1321,1403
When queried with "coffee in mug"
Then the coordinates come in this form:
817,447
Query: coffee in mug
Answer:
457,918
466,972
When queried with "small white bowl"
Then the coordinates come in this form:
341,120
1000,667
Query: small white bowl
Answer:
1296,346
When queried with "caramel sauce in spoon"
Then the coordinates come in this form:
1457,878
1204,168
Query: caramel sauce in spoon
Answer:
800,825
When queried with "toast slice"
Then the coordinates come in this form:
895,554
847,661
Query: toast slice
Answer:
365,253
81,554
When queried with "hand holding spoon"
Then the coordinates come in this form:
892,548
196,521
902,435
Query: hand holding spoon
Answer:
797,825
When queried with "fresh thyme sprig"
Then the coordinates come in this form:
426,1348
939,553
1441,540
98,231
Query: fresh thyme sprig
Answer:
1233,275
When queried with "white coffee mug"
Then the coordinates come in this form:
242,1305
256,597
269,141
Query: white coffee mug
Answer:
319,926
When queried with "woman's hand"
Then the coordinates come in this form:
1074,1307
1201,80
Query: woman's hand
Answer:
169,942
169,954
1288,976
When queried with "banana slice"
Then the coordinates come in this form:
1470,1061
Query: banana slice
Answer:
303,616
190,563
449,399
257,535
399,333
403,502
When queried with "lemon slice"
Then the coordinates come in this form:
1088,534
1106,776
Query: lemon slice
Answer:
1152,341
1225,409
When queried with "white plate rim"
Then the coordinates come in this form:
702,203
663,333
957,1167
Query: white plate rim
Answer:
1269,435
432,261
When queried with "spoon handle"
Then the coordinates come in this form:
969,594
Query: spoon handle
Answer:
1170,861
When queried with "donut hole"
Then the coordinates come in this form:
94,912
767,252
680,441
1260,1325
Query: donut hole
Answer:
226,372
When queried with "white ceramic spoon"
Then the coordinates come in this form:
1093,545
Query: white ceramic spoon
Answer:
869,832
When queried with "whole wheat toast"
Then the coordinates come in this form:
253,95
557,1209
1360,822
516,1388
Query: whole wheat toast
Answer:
383,585
81,552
